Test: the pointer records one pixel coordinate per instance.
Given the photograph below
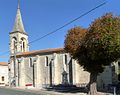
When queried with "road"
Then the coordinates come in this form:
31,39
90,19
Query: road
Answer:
6,91
16,91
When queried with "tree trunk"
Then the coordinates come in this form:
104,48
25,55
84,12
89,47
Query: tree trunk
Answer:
93,84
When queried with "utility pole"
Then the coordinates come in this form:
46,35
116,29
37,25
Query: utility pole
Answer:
18,72
14,58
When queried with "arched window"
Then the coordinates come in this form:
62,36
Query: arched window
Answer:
14,40
23,46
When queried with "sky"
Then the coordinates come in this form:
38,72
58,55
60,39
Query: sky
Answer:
43,16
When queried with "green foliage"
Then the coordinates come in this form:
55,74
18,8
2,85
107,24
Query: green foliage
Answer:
99,46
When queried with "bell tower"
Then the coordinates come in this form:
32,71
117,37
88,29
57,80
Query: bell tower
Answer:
18,36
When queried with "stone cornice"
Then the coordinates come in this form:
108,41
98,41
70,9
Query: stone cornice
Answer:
18,32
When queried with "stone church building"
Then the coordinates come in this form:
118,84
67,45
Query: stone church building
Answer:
44,68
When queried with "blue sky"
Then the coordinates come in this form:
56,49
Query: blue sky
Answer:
43,16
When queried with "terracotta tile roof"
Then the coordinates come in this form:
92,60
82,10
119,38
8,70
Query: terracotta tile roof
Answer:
52,50
3,63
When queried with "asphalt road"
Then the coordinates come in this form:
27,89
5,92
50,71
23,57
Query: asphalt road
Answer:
6,91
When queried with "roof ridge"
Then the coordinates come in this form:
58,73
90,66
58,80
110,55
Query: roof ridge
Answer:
42,51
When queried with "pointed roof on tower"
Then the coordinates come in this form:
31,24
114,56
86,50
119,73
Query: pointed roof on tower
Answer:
18,26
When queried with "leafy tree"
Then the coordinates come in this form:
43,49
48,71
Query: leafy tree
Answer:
73,39
99,47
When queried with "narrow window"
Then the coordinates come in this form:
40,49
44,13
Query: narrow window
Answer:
65,59
24,46
15,46
46,61
30,62
3,78
21,48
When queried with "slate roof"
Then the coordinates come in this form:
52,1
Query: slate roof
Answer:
18,26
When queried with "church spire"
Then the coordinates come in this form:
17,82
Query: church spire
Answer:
18,26
18,4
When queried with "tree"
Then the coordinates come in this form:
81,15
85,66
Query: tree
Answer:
99,47
73,39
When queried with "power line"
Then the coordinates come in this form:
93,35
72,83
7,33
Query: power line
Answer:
67,23
4,53
3,56
63,25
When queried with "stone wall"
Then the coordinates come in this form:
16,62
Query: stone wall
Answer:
44,72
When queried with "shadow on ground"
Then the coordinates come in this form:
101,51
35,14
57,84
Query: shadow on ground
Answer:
73,89
67,89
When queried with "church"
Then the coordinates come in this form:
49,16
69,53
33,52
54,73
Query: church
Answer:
49,67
